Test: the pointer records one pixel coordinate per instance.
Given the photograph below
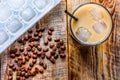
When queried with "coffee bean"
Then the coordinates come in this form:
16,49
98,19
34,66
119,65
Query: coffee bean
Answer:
38,30
36,38
18,68
11,65
26,37
58,45
36,44
52,53
23,61
18,73
45,49
54,48
18,78
29,73
51,28
26,58
23,42
29,68
34,61
36,69
17,54
31,39
29,36
14,50
22,78
20,40
30,31
12,55
56,56
49,38
51,45
35,52
20,58
23,73
52,60
25,53
36,34
33,73
42,28
29,48
39,48
19,64
62,55
48,55
33,49
40,35
39,53
46,42
50,32
41,62
41,70
42,55
10,72
21,49
34,56
31,64
26,75
14,68
57,40
16,60
31,44
45,66
60,51
10,77
61,42
63,47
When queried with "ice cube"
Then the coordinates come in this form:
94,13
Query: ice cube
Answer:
95,13
40,4
83,34
16,3
3,37
99,27
27,14
5,12
14,26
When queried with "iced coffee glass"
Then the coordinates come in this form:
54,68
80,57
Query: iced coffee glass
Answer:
94,24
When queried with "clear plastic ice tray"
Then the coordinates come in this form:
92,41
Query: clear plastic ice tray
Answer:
17,16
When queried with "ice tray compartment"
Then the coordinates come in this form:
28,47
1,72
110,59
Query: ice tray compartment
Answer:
17,16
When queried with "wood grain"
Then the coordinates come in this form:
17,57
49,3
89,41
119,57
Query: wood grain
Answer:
100,62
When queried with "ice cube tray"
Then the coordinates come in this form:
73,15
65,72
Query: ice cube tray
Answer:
17,16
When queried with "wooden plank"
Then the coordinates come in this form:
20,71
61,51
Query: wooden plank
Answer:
58,71
98,62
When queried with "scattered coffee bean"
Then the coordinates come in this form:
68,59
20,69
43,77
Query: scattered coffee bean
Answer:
20,40
12,55
18,78
11,65
36,38
41,62
29,73
36,44
40,35
33,49
51,28
29,55
23,42
57,40
52,60
26,75
46,42
31,44
42,29
48,55
29,36
18,73
45,66
54,48
20,58
23,73
29,68
41,70
39,48
61,42
16,60
23,61
22,78
10,72
18,68
21,49
34,56
33,73
35,52
30,31
17,54
19,64
25,53
49,38
34,61
60,51
31,64
52,53
26,58
62,55
58,45
51,45
13,50
56,56
14,68
36,34
45,49
42,55
63,47
36,69
50,32
39,53
10,77
26,37
31,39
29,48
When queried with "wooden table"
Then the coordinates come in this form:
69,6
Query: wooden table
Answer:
100,62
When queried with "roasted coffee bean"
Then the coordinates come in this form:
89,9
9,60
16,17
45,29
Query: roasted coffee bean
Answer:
38,30
23,73
29,68
50,32
63,47
40,35
23,61
26,37
13,50
10,72
29,36
42,29
36,44
22,78
48,55
58,45
31,44
33,73
57,40
61,42
12,55
31,64
11,65
54,48
46,42
31,39
62,55
26,75
26,69
41,70
41,62
20,40
45,66
25,53
23,42
30,31
49,38
29,48
19,64
33,49
35,52
29,55
37,26
18,73
29,73
36,38
20,58
60,51
16,60
39,48
10,77
52,53
18,78
52,60
14,68
34,56
18,69
36,69
21,49
42,55
39,53
56,56
34,61
36,34
45,49
26,58
17,54
51,28
51,45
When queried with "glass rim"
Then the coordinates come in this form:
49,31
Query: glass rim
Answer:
90,44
